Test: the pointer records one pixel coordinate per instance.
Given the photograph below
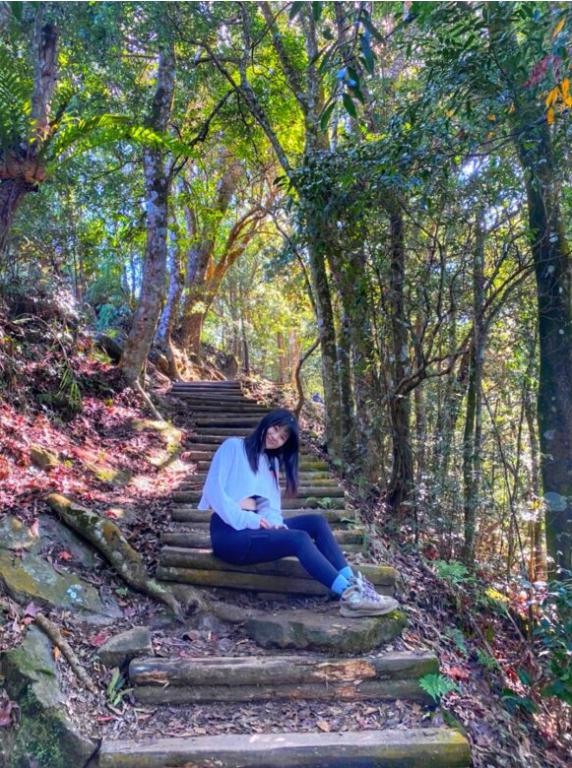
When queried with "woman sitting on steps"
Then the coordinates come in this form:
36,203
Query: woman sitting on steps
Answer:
247,526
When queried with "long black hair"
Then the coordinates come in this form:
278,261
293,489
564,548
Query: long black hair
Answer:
287,455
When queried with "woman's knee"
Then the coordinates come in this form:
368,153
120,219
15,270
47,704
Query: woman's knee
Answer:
300,540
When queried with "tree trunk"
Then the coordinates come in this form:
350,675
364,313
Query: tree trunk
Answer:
12,192
330,370
20,171
537,554
138,342
169,314
401,481
473,423
553,284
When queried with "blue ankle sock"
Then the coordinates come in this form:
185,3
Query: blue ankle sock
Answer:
347,572
339,584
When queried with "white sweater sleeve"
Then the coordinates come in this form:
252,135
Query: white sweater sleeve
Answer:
215,493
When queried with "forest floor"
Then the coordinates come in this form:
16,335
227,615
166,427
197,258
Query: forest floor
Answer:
106,463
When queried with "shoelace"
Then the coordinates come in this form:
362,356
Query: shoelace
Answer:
366,588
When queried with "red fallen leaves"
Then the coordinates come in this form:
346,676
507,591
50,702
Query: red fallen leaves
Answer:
457,673
98,639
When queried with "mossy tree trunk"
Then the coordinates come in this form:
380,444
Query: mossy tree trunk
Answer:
157,183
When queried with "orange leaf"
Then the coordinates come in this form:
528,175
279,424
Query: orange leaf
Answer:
550,117
559,27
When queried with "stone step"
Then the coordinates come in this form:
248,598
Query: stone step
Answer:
350,541
202,568
189,681
406,748
186,513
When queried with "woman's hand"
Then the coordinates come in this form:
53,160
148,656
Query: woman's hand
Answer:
268,526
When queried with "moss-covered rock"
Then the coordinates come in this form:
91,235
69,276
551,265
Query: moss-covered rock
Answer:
30,577
44,736
125,646
325,631
43,458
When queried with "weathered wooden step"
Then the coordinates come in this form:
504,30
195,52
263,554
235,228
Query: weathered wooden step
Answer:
310,478
203,432
306,487
237,423
350,541
203,460
184,513
202,568
228,410
187,681
307,493
311,503
406,748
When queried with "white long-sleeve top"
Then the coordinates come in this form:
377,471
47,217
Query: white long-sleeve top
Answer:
230,479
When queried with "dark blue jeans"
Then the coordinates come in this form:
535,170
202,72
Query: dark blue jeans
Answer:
308,537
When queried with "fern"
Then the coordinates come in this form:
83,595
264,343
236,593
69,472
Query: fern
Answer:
454,572
15,105
437,686
458,638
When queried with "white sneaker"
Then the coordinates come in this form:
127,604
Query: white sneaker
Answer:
361,599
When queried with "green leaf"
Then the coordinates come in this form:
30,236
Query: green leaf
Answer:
349,105
317,11
326,114
437,686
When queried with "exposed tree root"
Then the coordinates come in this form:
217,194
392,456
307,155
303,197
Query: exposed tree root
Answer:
51,630
106,536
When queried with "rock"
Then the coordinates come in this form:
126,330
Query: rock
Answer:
307,629
125,646
44,737
33,578
14,534
43,458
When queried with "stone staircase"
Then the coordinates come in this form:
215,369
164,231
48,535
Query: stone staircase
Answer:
317,659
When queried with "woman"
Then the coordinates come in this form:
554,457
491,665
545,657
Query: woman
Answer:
247,526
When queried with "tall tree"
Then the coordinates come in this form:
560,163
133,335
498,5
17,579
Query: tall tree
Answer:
157,183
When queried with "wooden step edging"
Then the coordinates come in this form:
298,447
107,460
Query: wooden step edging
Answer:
186,681
179,557
187,513
410,748
199,538
202,568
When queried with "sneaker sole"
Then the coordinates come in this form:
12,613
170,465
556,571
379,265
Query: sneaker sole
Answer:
348,612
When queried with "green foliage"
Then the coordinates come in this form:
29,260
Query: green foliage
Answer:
437,686
458,638
515,703
453,571
15,91
116,690
486,660
554,634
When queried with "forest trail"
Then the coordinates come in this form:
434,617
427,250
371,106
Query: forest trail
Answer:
307,652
